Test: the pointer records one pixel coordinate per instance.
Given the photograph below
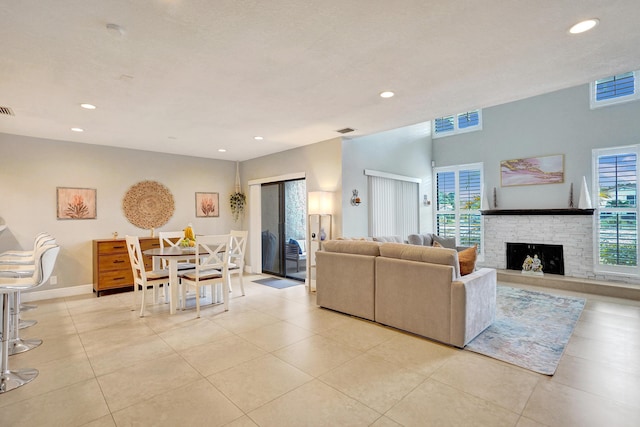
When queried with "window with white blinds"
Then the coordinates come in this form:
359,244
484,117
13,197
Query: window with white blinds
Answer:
458,192
393,207
617,209
457,123
615,89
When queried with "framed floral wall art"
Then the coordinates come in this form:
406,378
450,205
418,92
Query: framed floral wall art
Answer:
76,203
207,205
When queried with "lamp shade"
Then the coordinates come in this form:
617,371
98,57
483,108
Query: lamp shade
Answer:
320,202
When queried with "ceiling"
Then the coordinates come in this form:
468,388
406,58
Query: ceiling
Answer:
195,76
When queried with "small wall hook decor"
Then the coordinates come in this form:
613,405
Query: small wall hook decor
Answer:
355,199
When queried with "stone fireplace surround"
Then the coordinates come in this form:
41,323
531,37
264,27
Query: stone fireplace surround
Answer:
571,228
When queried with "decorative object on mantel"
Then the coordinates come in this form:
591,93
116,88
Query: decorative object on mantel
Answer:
237,200
148,205
355,199
585,199
532,171
532,266
484,202
571,195
495,199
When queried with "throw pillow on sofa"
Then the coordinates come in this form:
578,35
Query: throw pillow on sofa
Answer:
466,258
445,242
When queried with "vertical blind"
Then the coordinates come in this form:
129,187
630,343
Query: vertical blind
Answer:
393,207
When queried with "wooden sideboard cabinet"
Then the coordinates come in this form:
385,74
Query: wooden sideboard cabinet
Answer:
111,266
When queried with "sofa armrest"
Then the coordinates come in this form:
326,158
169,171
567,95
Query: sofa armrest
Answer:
346,283
473,305
414,296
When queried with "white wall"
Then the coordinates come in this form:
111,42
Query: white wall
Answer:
556,123
404,151
32,168
320,162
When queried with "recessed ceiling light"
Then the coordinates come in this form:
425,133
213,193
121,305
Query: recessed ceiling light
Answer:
258,138
386,94
88,106
77,129
222,150
583,26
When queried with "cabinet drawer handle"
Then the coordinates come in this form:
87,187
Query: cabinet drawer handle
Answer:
118,247
118,278
118,261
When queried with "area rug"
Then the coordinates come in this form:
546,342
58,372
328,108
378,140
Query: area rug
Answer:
531,329
278,283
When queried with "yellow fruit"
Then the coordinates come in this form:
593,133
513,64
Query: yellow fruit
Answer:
192,243
188,233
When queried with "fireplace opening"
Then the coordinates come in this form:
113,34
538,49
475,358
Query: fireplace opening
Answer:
550,255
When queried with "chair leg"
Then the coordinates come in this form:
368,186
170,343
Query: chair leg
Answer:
17,344
225,297
198,301
241,282
144,291
10,380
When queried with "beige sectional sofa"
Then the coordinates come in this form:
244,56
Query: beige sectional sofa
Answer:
413,288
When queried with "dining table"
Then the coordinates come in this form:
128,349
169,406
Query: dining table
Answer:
172,255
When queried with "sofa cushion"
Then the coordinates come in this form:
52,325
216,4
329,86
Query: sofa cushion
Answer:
358,247
393,239
428,254
420,239
467,258
445,242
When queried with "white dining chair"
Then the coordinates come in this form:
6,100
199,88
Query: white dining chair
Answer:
236,256
212,268
143,278
172,239
10,380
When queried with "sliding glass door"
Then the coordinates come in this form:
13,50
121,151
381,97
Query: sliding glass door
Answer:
284,228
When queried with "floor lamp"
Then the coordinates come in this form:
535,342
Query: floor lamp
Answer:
320,209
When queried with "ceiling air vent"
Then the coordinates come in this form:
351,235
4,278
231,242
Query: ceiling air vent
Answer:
6,111
345,130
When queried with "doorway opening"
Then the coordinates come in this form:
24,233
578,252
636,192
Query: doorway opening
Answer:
284,225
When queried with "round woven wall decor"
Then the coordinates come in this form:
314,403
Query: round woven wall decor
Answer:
148,204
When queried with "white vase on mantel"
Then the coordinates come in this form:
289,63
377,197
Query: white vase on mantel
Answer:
484,203
585,199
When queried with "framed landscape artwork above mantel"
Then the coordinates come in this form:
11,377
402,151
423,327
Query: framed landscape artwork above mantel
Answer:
532,171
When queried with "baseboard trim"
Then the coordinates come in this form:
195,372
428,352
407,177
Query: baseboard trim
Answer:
70,291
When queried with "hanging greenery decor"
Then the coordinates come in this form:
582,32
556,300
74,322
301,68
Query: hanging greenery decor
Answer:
237,200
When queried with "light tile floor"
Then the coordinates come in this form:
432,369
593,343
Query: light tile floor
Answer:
276,359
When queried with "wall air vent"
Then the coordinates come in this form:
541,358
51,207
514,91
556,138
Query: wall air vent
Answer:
6,111
345,130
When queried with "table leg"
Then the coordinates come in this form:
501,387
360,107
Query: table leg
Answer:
173,285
